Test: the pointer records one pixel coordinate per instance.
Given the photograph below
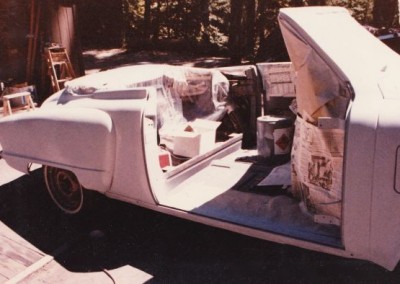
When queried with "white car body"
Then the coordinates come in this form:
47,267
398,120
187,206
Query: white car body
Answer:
108,139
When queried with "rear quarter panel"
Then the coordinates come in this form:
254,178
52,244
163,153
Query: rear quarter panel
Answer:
127,110
385,219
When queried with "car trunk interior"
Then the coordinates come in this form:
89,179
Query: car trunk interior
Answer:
231,181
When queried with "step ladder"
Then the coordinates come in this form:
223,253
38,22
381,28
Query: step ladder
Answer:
59,67
26,103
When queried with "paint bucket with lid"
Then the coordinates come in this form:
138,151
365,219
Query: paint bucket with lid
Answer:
274,136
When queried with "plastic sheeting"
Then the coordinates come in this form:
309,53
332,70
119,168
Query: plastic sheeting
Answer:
183,93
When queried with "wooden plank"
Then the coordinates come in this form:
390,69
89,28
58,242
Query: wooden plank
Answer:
3,278
10,267
40,264
8,233
31,270
16,95
18,252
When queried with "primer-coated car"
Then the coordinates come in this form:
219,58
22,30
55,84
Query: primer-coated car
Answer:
138,134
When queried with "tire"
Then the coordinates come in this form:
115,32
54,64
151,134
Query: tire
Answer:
64,189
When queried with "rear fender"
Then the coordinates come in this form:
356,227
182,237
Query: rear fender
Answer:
81,140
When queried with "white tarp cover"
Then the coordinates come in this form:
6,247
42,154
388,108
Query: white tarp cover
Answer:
184,94
207,89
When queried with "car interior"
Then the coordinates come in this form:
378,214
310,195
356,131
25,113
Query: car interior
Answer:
229,180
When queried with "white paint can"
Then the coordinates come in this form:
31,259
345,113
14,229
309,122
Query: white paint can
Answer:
274,135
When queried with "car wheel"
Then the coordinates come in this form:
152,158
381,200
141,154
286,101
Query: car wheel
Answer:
64,188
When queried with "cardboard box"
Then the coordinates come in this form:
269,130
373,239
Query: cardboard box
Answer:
187,144
278,79
198,139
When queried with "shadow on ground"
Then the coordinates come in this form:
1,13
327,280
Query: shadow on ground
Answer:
26,208
112,234
179,251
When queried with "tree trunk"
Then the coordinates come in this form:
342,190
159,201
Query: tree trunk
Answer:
205,21
249,33
235,31
271,46
316,2
297,3
385,13
261,26
147,19
156,22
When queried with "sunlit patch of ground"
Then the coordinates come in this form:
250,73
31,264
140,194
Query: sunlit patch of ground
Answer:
104,53
96,60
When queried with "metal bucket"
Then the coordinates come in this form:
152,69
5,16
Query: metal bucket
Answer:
274,136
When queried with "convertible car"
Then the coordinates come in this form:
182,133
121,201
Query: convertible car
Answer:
304,153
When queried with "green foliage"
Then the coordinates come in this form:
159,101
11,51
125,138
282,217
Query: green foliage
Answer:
361,10
218,29
208,23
